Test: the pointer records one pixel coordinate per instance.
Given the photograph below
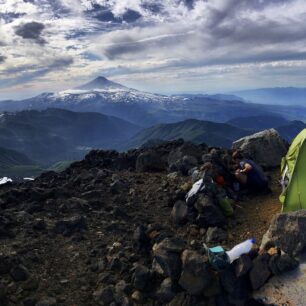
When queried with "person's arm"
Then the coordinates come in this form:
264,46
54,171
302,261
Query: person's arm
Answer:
247,168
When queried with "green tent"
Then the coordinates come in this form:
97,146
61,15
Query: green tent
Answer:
293,169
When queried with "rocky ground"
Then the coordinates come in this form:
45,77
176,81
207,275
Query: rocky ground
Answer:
100,233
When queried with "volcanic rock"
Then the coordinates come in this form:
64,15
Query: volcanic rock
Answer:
166,291
149,161
179,212
70,225
266,148
141,278
287,231
215,234
260,271
19,273
104,295
195,272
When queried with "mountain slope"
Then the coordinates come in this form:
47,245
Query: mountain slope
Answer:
213,134
278,95
146,109
10,158
287,129
13,163
54,135
290,130
258,122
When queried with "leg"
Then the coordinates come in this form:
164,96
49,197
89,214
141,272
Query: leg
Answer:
241,178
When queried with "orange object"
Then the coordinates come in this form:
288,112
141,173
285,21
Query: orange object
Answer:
220,180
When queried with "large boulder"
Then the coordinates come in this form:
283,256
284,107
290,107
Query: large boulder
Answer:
195,273
288,232
167,259
210,214
265,148
150,161
185,157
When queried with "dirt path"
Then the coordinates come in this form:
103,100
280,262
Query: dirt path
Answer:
254,214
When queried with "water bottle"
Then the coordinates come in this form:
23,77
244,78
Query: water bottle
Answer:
241,248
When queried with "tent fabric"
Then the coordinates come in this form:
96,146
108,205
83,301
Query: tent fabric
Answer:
293,167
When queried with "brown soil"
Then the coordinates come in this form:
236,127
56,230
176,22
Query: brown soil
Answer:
254,213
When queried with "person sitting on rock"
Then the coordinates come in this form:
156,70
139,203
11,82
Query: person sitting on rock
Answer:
249,174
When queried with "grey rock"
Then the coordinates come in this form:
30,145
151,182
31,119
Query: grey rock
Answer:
5,264
48,301
70,225
203,202
175,245
243,265
195,272
282,263
29,302
167,259
237,288
104,295
166,291
215,235
3,295
167,263
118,186
260,271
184,158
266,148
149,161
288,232
210,215
19,273
179,212
141,277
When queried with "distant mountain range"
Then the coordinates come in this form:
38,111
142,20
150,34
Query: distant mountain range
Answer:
62,127
15,163
36,141
54,135
258,122
215,134
146,109
278,95
287,129
211,133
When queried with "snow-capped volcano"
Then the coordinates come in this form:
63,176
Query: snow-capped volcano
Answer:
142,108
103,96
107,91
101,83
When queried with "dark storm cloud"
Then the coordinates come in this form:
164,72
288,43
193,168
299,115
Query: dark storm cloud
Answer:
31,30
2,58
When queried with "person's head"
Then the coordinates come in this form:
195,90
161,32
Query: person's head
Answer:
237,156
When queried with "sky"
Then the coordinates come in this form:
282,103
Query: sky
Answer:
165,46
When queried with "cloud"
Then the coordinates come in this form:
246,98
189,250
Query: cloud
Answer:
28,72
31,30
139,40
2,58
